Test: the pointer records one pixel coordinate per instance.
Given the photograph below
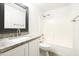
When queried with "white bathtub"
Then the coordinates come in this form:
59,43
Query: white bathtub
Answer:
60,50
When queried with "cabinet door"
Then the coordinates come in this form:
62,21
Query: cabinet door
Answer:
34,48
19,51
26,51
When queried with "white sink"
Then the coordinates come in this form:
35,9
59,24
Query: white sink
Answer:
4,42
12,41
19,39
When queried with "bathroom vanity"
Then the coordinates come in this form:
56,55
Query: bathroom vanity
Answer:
14,17
21,46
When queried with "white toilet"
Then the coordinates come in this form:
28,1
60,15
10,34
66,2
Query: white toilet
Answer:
45,47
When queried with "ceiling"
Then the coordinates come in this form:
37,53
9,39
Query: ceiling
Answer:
44,7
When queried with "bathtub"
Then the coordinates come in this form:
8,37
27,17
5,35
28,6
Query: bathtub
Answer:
57,49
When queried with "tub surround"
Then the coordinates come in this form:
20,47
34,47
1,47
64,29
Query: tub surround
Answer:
7,44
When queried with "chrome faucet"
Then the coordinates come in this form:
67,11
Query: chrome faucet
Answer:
18,32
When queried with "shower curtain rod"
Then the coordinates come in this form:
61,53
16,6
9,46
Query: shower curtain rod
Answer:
74,20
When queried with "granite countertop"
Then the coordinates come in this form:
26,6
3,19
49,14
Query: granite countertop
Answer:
10,43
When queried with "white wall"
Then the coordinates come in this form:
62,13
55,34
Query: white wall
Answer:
58,30
58,27
75,12
34,20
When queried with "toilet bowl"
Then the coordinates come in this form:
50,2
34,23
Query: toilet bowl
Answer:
45,47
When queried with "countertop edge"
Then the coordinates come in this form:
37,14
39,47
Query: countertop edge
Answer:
17,45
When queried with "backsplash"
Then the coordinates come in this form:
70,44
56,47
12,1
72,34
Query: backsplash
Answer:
2,36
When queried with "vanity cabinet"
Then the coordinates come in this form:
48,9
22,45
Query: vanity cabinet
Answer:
34,48
30,48
18,51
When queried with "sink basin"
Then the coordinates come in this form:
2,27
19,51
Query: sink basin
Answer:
4,42
12,41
